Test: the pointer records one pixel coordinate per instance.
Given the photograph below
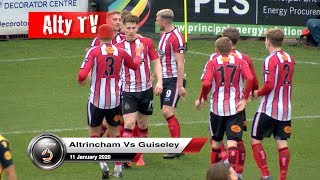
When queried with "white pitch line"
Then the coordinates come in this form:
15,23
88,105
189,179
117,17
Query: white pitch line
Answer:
34,59
67,57
156,124
259,59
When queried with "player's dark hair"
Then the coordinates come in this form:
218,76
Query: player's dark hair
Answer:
130,18
275,36
232,33
124,13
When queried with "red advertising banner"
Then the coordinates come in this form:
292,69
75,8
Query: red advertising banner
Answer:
65,24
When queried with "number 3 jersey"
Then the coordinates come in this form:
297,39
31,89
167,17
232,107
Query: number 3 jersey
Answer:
276,92
105,61
226,75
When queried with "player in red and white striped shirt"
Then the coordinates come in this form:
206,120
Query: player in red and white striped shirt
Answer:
224,77
171,50
274,112
113,18
234,35
105,62
137,88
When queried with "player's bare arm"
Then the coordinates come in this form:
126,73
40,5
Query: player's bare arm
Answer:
157,73
206,86
153,77
245,71
180,63
200,103
10,172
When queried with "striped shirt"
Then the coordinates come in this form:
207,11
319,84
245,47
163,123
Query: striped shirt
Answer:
105,61
278,69
225,76
138,80
170,43
245,57
119,37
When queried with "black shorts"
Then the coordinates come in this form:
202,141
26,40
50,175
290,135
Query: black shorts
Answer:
242,114
231,125
170,96
138,101
264,125
95,116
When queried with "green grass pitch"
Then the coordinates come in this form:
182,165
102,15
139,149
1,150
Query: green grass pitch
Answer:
39,92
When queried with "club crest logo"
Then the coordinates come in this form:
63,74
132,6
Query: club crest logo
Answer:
109,50
284,57
235,128
287,129
47,152
161,53
116,118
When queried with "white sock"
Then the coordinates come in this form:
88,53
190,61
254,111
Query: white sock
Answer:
265,177
104,166
226,161
118,168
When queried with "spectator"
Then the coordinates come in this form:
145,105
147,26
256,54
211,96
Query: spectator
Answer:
314,28
221,171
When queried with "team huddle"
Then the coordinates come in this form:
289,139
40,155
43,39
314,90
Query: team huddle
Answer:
121,93
118,65
224,75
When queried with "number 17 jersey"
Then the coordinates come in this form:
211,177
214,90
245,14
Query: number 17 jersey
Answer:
227,74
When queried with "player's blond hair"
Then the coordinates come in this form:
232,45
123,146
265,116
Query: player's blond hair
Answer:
218,170
232,33
166,14
112,12
275,36
223,45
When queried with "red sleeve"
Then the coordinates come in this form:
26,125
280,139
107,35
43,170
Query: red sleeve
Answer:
151,50
246,73
178,43
255,83
95,42
129,61
269,77
292,59
87,65
207,77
